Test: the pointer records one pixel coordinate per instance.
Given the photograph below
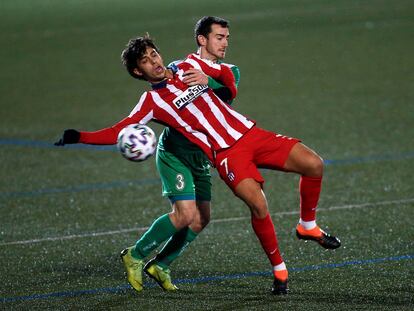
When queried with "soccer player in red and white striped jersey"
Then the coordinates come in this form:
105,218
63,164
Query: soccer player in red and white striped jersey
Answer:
233,143
208,121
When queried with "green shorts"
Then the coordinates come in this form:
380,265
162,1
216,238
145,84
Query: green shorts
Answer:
184,175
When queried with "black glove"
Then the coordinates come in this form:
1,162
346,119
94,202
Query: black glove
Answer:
70,136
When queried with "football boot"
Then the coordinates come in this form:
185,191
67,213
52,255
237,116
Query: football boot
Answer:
133,269
318,235
160,275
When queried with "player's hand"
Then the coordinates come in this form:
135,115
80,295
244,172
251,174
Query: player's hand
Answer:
194,76
70,136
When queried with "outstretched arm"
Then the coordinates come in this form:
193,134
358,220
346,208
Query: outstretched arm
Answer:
105,136
142,113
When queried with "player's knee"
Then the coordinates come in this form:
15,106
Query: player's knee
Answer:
198,225
259,208
315,168
312,166
183,217
187,218
202,218
200,221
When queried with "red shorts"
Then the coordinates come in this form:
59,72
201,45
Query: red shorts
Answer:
258,148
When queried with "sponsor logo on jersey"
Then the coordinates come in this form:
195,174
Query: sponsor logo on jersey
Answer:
189,95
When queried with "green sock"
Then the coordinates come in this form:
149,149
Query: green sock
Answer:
160,230
175,246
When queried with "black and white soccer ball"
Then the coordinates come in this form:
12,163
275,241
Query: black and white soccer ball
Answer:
137,142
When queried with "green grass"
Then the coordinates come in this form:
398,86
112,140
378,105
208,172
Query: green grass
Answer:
337,74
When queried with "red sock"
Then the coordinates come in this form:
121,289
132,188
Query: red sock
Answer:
265,231
309,189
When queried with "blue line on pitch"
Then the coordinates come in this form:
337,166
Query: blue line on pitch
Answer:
374,158
207,279
43,144
147,181
156,181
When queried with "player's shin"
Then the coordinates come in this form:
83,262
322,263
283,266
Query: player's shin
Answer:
160,230
175,246
265,232
309,189
307,229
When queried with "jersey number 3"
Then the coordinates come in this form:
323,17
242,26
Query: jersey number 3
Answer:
180,182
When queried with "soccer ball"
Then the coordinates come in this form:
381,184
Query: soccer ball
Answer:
137,142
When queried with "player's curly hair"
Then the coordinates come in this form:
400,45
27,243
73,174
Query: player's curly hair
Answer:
134,50
203,26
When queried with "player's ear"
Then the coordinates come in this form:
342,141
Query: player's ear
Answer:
202,41
138,72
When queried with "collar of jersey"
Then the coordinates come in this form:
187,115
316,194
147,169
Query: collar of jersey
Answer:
159,85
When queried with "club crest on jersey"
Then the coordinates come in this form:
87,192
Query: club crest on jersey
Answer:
189,95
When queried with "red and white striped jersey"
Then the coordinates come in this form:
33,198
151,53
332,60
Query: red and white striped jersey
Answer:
194,111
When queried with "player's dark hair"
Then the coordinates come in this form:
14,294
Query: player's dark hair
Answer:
203,26
134,51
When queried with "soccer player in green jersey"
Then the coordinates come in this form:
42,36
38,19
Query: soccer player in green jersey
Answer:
185,174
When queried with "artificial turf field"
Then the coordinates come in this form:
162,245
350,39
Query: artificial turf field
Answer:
337,74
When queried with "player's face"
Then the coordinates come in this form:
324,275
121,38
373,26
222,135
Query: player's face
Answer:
151,66
216,43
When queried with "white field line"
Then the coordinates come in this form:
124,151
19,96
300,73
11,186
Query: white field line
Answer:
138,229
